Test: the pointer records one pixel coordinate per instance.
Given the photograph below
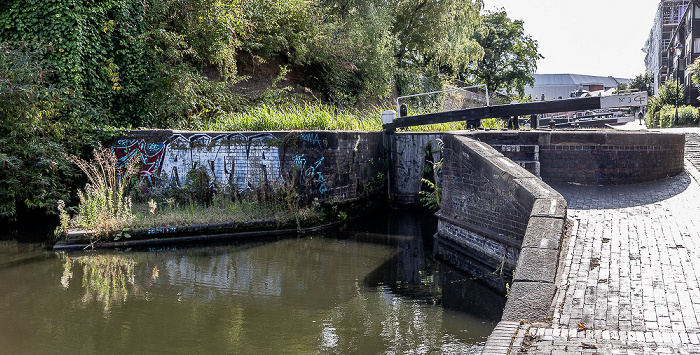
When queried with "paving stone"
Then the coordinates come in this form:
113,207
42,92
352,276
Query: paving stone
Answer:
631,268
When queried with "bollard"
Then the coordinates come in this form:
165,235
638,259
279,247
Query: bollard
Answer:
388,117
403,110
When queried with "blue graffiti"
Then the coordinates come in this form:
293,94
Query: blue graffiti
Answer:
313,171
312,138
162,230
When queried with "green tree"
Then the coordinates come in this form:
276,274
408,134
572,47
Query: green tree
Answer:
643,82
436,30
510,55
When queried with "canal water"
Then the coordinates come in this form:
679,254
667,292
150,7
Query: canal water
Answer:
371,287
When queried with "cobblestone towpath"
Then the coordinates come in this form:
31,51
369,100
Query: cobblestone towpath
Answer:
630,280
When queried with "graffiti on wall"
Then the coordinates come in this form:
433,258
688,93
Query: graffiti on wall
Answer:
149,154
312,138
311,172
230,159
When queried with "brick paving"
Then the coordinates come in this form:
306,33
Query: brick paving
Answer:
631,270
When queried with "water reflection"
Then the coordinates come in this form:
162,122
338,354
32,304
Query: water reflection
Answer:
106,278
373,289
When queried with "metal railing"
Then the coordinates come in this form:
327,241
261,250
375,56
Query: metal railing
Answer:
465,88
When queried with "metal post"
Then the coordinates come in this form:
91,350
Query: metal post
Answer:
534,121
675,121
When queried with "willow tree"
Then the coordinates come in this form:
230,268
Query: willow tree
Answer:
440,31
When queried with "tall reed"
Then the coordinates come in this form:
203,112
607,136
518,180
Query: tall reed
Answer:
104,203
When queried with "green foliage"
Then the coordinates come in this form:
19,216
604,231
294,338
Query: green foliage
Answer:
105,205
200,186
294,29
686,115
493,123
434,30
122,57
510,56
38,123
97,50
643,82
669,94
298,117
432,197
694,68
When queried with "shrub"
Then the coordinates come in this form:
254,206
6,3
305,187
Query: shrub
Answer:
686,115
38,123
669,94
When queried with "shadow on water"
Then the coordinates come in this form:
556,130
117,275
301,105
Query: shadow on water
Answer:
623,196
415,273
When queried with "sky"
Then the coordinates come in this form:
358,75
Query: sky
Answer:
591,37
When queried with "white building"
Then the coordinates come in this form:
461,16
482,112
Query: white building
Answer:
667,18
555,86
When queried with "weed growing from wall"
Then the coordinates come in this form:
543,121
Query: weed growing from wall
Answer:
104,202
432,195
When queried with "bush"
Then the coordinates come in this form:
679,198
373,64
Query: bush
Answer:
686,115
669,94
38,124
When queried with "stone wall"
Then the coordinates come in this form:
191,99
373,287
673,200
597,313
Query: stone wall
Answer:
332,166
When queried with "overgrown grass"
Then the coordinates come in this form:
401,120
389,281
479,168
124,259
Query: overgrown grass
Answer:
298,117
222,210
306,116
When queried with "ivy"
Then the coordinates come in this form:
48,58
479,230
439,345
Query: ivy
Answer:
36,129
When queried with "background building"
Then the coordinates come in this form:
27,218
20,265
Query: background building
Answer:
684,48
554,86
668,16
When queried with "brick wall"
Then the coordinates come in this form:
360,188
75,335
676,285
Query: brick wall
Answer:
599,157
488,201
407,164
504,218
